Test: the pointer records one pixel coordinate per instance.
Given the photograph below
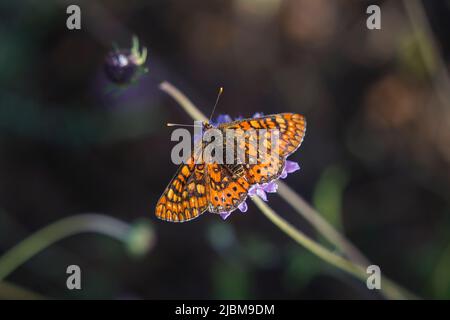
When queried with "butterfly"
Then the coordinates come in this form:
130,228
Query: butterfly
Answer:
200,186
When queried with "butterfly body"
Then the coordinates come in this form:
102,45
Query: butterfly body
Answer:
237,170
200,186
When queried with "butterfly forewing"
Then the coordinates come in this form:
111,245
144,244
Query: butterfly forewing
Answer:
185,198
290,129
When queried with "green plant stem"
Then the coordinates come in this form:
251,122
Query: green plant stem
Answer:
389,288
438,74
56,231
300,205
12,291
321,225
183,101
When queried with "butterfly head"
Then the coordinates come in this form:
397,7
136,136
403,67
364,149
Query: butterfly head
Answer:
206,125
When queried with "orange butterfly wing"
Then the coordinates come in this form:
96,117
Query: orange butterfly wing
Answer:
225,192
185,198
200,187
291,128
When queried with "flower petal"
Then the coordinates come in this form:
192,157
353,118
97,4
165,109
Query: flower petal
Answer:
224,215
291,166
243,207
270,187
258,115
252,191
260,193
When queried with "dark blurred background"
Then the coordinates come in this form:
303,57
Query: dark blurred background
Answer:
375,161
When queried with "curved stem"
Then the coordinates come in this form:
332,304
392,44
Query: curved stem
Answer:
56,231
321,225
389,288
183,101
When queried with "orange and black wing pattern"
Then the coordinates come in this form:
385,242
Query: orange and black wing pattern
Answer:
290,127
225,191
213,187
185,198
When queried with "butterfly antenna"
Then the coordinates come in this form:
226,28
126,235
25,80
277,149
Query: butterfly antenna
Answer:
215,104
181,125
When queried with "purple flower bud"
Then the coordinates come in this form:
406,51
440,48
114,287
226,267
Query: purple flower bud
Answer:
122,66
119,66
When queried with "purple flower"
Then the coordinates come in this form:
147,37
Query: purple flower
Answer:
259,190
242,207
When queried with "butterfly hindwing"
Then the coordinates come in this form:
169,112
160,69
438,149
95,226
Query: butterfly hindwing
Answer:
266,171
226,192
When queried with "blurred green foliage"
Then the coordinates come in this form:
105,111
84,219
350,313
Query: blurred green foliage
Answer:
328,194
